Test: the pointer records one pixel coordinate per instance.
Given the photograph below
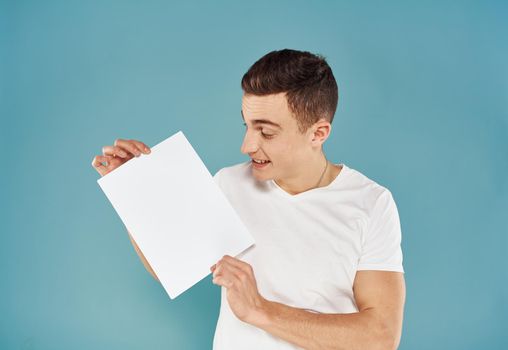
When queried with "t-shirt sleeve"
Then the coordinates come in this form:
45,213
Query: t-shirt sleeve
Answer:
381,243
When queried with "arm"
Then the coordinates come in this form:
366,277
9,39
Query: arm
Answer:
380,297
142,257
115,156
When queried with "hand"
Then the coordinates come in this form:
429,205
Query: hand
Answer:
121,152
242,291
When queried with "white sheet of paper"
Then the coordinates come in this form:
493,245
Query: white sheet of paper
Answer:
176,213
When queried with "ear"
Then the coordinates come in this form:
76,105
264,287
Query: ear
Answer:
320,132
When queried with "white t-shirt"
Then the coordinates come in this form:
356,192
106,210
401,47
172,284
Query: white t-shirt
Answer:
308,246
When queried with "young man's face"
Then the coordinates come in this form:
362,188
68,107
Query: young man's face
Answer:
272,134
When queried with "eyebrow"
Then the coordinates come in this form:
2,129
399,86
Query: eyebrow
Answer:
262,121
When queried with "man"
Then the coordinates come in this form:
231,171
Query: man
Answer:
326,270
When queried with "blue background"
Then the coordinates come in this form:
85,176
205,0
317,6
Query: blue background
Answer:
423,111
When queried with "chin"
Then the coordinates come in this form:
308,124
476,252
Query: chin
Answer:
260,176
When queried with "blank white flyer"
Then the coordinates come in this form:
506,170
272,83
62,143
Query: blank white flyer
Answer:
176,213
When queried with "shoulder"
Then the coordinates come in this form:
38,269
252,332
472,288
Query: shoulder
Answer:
363,182
237,171
369,191
234,169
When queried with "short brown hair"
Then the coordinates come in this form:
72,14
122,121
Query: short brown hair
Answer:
306,78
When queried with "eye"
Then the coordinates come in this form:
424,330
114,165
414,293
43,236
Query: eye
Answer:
267,136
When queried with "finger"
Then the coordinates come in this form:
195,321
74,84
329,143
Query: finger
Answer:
225,269
128,146
97,163
235,271
141,146
216,270
238,263
223,272
222,281
114,151
229,275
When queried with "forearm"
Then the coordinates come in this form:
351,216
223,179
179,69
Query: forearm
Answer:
142,257
360,330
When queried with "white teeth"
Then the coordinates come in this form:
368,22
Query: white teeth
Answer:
260,161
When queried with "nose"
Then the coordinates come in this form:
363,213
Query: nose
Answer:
249,144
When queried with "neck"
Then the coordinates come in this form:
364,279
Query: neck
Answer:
308,177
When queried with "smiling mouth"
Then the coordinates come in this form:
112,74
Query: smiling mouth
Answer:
260,161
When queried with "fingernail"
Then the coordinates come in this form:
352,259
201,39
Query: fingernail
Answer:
147,150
